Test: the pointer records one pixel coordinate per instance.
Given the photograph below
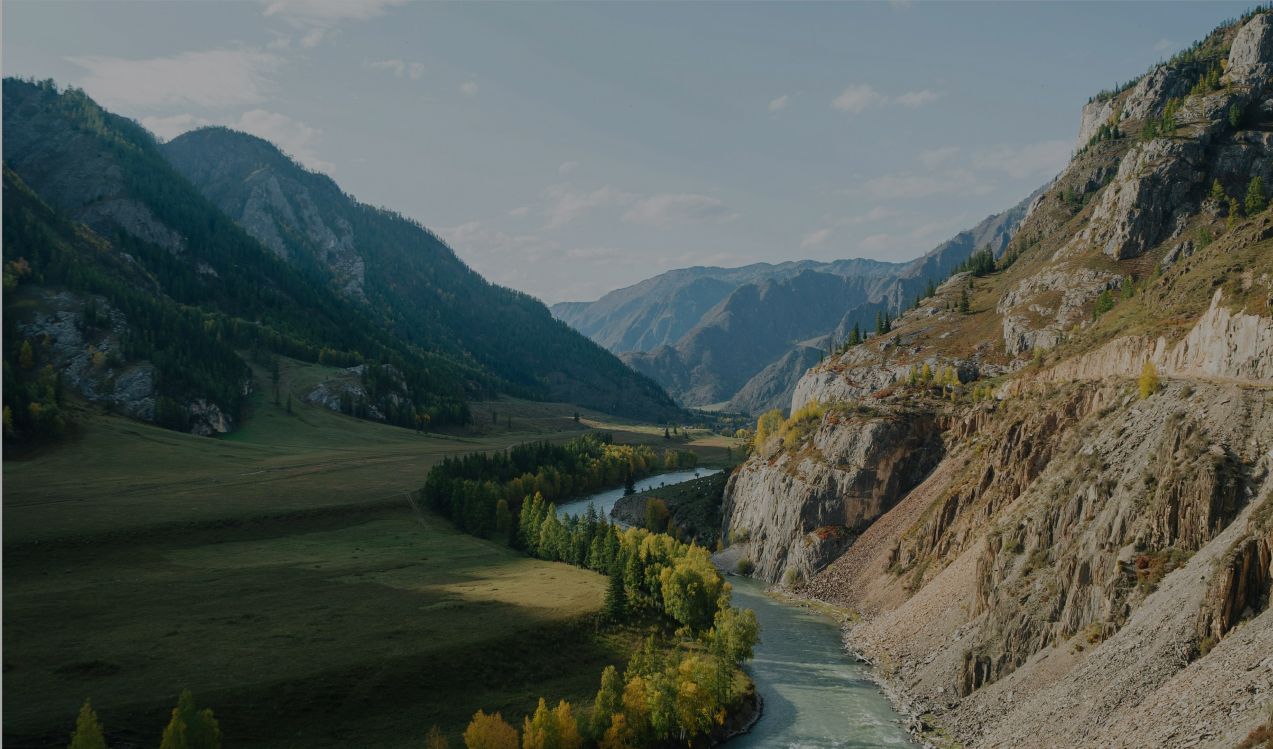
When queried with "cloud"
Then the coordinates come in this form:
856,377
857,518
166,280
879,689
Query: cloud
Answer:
167,128
468,88
779,103
566,167
214,79
857,98
913,99
906,186
668,209
568,205
317,18
294,138
522,212
875,214
413,70
935,157
815,239
1033,159
1163,45
487,245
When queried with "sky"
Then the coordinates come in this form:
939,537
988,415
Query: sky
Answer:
569,149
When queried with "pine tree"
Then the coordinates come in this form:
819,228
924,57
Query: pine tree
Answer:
855,338
609,701
879,323
666,434
964,307
1217,191
1256,199
26,357
615,607
88,732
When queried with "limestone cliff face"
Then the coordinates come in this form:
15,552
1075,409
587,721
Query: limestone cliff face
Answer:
1087,565
852,470
1221,345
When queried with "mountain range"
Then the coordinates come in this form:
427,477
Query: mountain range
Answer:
239,251
740,338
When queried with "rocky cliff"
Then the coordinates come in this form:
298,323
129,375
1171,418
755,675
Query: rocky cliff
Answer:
1088,562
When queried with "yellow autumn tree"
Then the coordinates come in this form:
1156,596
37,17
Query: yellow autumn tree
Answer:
1149,383
551,729
485,732
88,732
435,739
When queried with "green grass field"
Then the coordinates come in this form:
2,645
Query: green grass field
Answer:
280,574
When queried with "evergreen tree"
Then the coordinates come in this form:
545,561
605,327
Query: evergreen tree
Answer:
629,486
855,338
1256,198
1217,192
609,701
964,307
88,732
615,607
26,357
879,323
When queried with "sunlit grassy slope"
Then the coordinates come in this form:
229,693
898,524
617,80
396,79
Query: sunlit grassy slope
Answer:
280,574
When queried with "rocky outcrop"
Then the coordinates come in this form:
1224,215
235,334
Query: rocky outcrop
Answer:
1221,345
847,474
348,392
1251,56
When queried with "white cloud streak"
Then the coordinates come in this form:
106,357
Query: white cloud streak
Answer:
855,99
669,209
319,18
294,138
567,167
567,205
1033,159
815,239
215,79
780,103
913,99
412,70
468,88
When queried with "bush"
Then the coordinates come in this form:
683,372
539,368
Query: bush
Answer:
745,567
1149,383
1013,547
1104,303
794,578
1256,198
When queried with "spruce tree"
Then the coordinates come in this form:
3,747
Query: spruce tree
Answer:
1256,198
88,732
879,323
615,607
964,307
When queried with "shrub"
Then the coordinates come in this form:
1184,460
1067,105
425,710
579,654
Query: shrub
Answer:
1149,383
1204,238
1235,115
1013,547
745,567
793,578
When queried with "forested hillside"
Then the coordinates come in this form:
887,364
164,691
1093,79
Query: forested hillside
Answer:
410,282
143,295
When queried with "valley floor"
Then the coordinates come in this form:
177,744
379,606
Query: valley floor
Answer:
281,575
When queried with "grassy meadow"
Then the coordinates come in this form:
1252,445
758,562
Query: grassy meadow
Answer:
280,574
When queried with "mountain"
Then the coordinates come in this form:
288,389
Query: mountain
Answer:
1051,509
754,326
319,290
659,310
760,325
407,278
106,174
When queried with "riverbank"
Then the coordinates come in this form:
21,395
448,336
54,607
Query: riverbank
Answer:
814,693
694,507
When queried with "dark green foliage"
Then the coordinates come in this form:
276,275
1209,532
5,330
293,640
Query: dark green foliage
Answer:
1235,115
656,515
964,305
1256,197
189,323
416,287
855,338
1104,303
467,490
615,607
980,263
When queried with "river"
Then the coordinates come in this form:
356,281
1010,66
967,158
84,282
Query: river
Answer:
815,694
605,500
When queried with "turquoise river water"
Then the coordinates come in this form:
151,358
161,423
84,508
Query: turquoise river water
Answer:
815,694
